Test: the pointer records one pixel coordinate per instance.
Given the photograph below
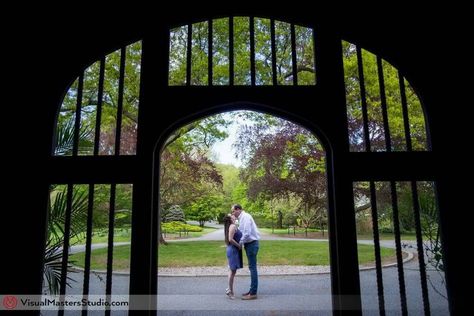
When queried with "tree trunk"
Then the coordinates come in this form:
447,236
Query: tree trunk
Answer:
162,240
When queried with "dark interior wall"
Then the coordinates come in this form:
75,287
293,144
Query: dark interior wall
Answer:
55,47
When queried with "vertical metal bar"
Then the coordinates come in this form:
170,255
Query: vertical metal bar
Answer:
365,117
273,40
209,52
100,96
398,246
419,245
110,246
77,122
188,54
378,260
406,120
231,51
293,55
118,132
383,100
87,259
252,50
67,232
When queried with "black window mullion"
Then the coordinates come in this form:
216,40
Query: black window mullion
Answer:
252,50
363,99
118,132
100,96
406,120
231,51
77,122
110,246
209,54
65,255
398,246
383,101
274,68
293,55
419,245
188,54
87,259
378,260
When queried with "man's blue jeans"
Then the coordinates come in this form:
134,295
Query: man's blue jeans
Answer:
251,249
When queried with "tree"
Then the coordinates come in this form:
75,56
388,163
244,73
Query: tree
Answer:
173,214
205,208
305,67
373,100
109,109
283,160
186,172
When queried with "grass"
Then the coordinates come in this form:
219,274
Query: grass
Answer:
212,253
123,235
316,233
387,236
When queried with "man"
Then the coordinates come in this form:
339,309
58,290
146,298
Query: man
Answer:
250,237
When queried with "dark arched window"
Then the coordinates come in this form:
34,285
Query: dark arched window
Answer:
363,109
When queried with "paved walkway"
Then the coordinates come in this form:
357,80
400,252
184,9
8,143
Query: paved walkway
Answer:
304,294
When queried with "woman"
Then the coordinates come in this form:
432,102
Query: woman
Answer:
234,252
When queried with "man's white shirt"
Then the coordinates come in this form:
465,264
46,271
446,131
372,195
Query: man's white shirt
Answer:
248,228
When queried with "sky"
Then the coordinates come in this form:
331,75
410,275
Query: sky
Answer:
223,151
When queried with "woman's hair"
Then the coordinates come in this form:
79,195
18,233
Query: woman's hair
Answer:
227,223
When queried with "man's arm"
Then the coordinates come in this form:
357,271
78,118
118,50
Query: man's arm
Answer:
245,229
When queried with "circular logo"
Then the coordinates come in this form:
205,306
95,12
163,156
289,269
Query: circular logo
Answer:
9,301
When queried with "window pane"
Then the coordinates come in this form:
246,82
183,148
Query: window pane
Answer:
220,51
89,109
372,94
241,51
65,124
178,53
199,54
416,118
394,107
305,55
263,52
131,95
355,120
108,124
283,53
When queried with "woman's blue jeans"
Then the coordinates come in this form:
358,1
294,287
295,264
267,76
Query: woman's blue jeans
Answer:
251,249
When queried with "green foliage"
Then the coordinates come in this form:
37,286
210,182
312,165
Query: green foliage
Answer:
429,217
199,54
56,230
175,227
220,54
178,52
173,214
205,208
241,51
284,162
89,119
373,100
241,54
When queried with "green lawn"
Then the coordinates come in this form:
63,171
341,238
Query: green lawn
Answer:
121,235
212,253
316,233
